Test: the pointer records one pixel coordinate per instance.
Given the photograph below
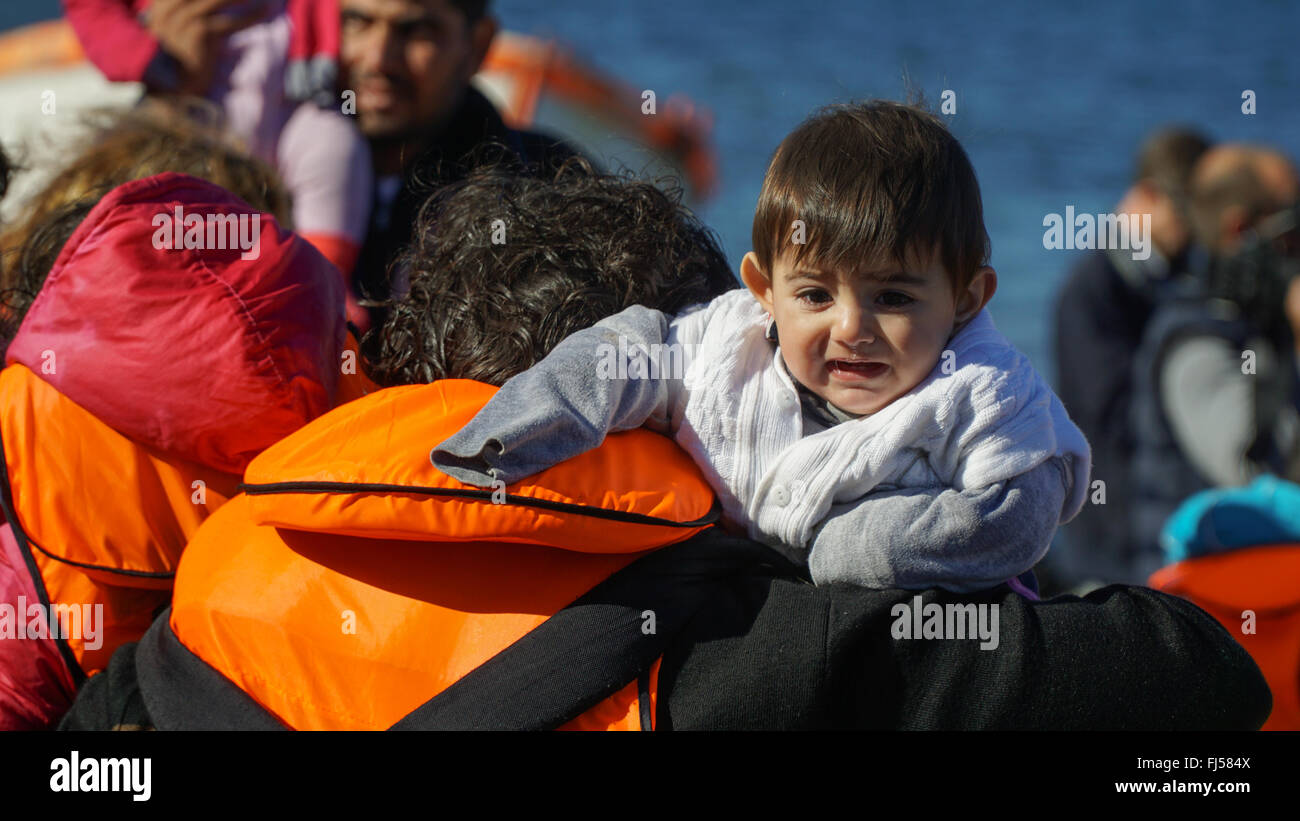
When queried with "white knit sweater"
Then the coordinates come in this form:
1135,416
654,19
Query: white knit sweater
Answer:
991,419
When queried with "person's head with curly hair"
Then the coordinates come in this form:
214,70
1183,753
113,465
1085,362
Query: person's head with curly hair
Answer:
502,267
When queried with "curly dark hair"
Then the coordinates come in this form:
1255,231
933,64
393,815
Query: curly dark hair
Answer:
569,251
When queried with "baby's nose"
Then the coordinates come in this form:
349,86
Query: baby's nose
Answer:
854,328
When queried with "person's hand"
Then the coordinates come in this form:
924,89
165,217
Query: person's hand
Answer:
191,32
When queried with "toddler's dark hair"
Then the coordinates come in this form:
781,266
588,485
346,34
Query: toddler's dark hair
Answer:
871,179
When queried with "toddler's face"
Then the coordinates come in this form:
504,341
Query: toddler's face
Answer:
862,339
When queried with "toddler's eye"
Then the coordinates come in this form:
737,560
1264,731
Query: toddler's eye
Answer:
895,299
814,296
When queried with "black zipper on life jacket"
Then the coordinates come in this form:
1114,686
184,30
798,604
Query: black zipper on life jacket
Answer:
712,516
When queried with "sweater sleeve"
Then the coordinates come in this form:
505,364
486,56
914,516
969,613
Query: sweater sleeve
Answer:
597,381
117,43
961,540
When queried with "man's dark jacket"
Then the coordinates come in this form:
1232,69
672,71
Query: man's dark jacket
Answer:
749,644
475,134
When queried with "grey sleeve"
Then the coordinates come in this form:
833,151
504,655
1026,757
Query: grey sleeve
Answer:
916,538
1211,407
565,405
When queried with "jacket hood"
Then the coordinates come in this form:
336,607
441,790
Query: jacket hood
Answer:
209,354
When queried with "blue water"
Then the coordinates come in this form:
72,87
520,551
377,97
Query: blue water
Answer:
1052,99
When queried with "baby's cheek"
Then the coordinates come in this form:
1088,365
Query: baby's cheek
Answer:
931,346
916,371
807,369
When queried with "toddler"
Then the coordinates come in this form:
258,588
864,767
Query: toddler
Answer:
853,406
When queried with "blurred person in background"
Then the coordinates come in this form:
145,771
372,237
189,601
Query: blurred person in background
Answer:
1101,314
271,66
410,64
1215,387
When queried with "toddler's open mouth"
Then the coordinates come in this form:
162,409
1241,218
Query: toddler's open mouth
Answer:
856,369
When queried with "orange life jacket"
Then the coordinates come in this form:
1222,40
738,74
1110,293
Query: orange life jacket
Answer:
113,533
1255,594
354,581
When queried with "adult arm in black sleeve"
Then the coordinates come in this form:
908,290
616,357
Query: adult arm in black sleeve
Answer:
1121,658
777,653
